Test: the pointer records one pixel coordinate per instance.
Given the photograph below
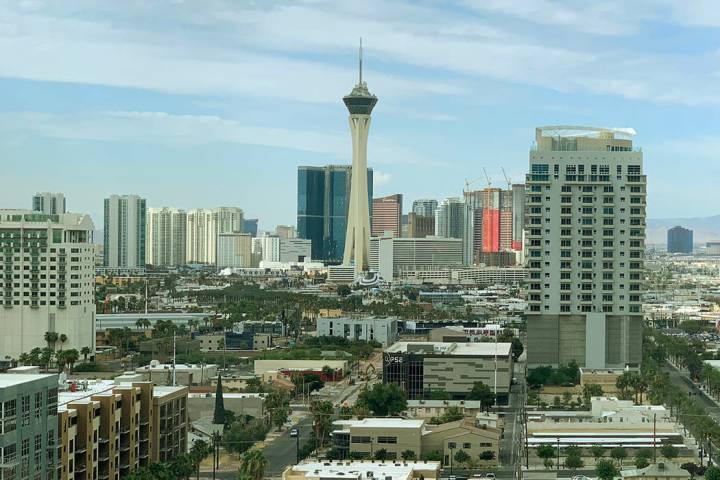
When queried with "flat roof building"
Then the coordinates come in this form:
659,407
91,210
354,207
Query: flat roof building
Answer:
383,330
362,470
420,368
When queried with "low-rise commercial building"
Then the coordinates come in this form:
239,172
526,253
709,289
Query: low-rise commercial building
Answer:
396,435
383,330
362,470
437,408
422,367
179,374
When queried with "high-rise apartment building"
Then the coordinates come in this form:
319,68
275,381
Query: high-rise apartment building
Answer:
679,240
48,274
124,240
518,216
387,212
425,207
49,202
419,226
323,201
166,237
275,248
204,226
450,218
29,426
234,250
392,257
585,223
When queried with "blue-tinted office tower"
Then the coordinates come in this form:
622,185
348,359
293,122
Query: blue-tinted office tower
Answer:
322,208
250,226
679,240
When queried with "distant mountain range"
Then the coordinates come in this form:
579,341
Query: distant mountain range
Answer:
704,228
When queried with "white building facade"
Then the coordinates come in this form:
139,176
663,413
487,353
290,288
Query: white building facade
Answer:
204,226
390,256
234,250
585,223
382,330
124,239
166,237
48,280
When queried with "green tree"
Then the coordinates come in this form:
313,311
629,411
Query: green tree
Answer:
668,450
434,456
199,450
279,407
487,455
408,455
546,452
452,414
254,385
51,338
62,338
85,351
219,412
573,462
461,457
71,357
619,454
182,466
712,473
384,399
591,390
641,462
605,469
253,464
344,290
482,392
597,451
381,454
322,412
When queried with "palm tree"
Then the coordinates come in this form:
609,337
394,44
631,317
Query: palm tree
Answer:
61,360
51,338
198,452
71,356
139,323
63,339
253,464
85,351
46,356
24,358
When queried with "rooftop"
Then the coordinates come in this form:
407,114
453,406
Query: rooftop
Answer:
452,348
13,379
85,390
381,423
584,131
161,391
361,469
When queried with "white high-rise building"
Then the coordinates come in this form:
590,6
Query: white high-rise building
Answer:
234,250
48,281
49,202
203,228
359,103
275,248
166,237
124,239
450,218
585,230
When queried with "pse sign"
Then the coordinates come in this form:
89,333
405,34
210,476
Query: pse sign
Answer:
393,359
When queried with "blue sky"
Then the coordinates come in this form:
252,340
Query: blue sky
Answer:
209,103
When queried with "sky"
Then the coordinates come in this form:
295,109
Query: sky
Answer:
217,102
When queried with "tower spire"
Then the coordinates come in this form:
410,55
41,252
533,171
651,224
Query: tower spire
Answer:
360,58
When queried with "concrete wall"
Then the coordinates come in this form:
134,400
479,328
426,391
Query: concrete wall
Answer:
199,407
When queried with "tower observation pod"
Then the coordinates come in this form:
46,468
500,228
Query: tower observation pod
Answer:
359,103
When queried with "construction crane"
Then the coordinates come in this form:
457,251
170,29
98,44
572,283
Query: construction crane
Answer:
470,182
507,179
487,177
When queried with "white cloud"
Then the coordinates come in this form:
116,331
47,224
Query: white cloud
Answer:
187,130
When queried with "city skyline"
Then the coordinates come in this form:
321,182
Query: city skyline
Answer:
206,119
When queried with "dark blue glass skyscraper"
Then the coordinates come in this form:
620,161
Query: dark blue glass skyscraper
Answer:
679,240
322,208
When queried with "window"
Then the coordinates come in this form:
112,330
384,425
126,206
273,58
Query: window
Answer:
387,440
360,440
466,446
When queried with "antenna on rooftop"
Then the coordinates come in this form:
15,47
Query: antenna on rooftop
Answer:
360,59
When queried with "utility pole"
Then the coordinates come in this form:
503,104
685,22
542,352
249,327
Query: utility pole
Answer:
654,438
174,378
495,392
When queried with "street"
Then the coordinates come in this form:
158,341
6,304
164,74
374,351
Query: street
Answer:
281,452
